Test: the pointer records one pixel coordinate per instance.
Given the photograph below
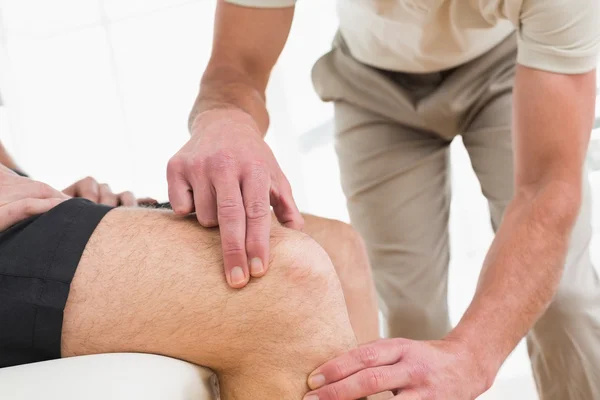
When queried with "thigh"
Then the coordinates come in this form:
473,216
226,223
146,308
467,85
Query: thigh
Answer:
488,140
397,186
152,282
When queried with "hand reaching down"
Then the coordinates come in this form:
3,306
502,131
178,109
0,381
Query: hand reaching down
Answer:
228,175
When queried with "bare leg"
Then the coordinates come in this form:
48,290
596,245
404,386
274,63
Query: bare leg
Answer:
153,283
349,256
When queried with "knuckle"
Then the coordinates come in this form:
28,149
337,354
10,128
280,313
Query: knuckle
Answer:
222,159
231,248
336,392
257,210
340,369
197,163
418,372
28,206
88,180
229,208
367,356
44,190
258,170
374,379
175,165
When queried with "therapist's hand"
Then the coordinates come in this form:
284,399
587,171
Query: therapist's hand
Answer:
414,370
228,175
22,197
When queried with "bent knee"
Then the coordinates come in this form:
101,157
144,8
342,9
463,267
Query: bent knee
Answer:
301,261
307,276
344,245
306,312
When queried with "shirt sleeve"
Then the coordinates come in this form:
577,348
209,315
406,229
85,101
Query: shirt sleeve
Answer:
264,3
559,36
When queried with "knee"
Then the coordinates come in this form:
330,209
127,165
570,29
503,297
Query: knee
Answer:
349,254
308,278
301,262
311,309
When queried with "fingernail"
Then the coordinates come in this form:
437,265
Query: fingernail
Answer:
311,397
316,381
237,275
256,266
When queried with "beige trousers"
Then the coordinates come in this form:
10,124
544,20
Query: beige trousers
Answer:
393,132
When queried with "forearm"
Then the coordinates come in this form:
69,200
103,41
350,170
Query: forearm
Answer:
520,274
553,116
247,44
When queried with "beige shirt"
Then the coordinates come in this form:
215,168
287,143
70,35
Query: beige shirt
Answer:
431,35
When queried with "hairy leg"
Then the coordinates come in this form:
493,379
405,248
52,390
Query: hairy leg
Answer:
151,282
347,251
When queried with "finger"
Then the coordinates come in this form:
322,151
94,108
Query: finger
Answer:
364,383
180,191
205,202
107,197
71,190
375,354
16,211
255,192
89,189
232,224
147,201
285,207
33,189
127,199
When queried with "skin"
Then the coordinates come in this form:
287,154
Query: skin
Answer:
87,188
22,197
553,117
164,293
120,300
304,284
226,172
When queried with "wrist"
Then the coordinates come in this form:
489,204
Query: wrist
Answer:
478,354
221,110
224,87
220,114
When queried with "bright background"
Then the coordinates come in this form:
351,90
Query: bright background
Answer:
104,87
